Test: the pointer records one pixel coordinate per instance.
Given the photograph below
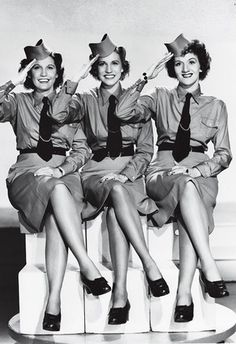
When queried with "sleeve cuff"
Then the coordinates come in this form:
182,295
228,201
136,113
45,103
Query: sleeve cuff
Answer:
203,170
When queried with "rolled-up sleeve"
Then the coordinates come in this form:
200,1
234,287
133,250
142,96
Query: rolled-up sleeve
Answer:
137,166
222,153
79,154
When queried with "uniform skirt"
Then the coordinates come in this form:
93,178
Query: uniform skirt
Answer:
167,190
30,195
96,193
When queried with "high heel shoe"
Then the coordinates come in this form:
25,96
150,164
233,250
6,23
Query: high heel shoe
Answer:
215,289
98,286
183,313
158,287
119,315
51,322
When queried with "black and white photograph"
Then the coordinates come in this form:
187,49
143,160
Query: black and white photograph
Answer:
117,174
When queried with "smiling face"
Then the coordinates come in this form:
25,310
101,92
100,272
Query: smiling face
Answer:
109,70
44,75
187,69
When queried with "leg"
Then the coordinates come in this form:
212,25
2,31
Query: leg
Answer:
69,222
56,259
195,218
187,266
132,228
119,248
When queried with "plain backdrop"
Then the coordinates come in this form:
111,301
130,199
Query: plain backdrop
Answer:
67,26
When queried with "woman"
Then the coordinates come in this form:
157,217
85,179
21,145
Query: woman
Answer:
113,176
182,179
43,184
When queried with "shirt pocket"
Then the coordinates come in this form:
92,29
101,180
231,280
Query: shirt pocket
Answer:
208,127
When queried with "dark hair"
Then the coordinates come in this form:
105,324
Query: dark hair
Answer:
60,71
125,64
197,48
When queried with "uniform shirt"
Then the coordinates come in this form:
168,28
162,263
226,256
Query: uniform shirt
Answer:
208,121
22,110
91,108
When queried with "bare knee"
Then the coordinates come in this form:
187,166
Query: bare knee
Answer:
118,191
59,187
189,191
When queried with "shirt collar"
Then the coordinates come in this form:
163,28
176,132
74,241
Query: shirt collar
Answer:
181,93
37,98
104,94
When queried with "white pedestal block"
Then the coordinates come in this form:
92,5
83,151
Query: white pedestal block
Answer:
161,243
97,239
33,295
97,308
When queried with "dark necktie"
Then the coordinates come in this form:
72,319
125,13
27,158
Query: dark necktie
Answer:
114,139
182,141
45,147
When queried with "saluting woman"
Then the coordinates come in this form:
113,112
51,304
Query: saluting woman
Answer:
113,178
44,184
182,178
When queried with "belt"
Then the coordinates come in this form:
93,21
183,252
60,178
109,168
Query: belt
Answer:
56,150
170,146
100,154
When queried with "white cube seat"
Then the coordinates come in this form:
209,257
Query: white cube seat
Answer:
33,295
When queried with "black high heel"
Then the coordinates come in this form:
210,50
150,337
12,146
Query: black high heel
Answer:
51,322
158,287
119,315
98,286
183,313
215,289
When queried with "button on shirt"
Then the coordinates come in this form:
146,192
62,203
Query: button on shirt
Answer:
208,121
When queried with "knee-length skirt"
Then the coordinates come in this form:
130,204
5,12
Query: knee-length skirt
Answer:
96,193
30,195
166,189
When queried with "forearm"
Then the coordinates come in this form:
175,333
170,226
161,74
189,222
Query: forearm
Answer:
212,167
